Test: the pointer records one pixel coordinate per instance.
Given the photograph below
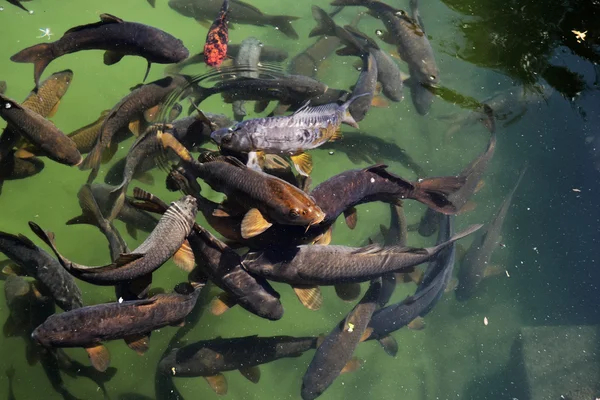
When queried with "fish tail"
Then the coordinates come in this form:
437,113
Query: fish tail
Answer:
93,159
284,24
48,238
325,25
471,229
435,192
40,55
117,198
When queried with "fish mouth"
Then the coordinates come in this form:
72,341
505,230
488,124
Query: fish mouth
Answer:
318,219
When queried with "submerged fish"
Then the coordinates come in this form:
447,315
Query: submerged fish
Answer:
475,265
2,87
435,280
12,168
215,46
89,326
163,242
209,358
307,128
334,354
330,265
119,38
54,280
40,132
239,13
268,199
86,137
249,55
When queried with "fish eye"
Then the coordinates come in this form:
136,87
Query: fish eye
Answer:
294,213
400,13
7,105
432,77
379,32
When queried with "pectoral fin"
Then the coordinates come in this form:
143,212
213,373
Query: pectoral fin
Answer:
251,373
351,366
351,217
217,383
184,257
138,343
310,296
389,344
151,114
99,357
221,303
254,224
303,163
366,334
417,324
112,57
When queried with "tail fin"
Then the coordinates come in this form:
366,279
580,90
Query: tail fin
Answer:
93,159
48,238
325,25
284,24
40,55
434,192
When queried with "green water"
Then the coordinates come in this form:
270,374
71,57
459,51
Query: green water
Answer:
551,234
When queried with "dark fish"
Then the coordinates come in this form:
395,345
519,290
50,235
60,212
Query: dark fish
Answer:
130,108
436,278
330,265
420,94
152,3
223,266
309,61
119,38
2,87
133,218
209,358
215,46
40,132
54,280
263,195
360,147
411,41
429,222
334,354
161,244
89,326
475,266
239,13
12,168
17,290
249,55
287,89
474,173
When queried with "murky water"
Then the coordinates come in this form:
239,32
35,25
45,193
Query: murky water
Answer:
550,241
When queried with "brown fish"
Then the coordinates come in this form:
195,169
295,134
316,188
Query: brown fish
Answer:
262,194
12,168
40,132
86,137
89,326
160,246
130,108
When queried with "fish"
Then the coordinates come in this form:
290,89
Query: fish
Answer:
86,137
309,61
17,290
159,246
133,218
507,107
474,174
367,80
249,54
78,328
53,279
152,3
475,265
361,147
268,54
223,266
130,108
421,96
45,102
287,89
268,199
334,354
329,265
239,13
117,37
3,87
307,128
12,168
40,132
435,280
411,41
209,358
215,46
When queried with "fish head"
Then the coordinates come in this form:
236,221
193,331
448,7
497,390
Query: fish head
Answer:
255,263
234,139
186,207
61,81
8,106
306,86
